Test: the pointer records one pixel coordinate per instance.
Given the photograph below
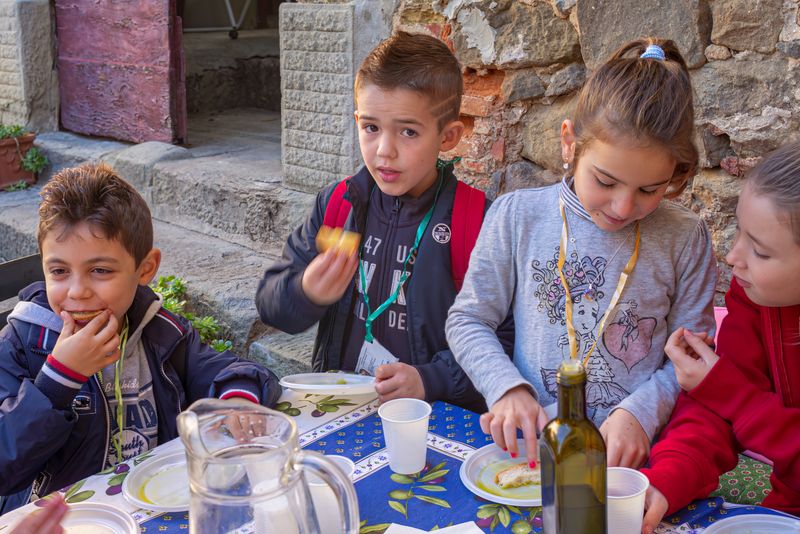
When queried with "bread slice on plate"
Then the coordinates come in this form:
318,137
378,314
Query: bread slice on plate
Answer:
517,475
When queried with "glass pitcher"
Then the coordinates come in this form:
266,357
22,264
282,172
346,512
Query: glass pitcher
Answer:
246,472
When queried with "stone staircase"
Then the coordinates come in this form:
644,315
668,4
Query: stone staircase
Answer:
220,210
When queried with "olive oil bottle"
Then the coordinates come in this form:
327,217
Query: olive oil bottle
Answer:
573,461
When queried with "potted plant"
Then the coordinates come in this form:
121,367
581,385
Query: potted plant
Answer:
20,161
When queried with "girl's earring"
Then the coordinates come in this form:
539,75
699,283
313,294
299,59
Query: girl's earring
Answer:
566,166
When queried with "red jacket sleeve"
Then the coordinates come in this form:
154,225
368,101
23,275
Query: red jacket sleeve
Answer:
699,444
694,449
739,389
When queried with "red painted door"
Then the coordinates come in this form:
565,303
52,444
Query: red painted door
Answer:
120,69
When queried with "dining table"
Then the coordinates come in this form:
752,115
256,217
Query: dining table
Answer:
349,425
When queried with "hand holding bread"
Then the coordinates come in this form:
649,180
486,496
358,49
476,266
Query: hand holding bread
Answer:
329,274
88,348
338,240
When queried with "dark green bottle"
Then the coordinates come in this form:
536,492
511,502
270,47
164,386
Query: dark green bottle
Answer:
573,462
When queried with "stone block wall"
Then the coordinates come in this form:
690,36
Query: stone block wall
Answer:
28,81
524,61
322,45
316,69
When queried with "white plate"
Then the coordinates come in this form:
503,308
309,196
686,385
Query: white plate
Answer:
330,383
98,518
475,470
160,483
755,524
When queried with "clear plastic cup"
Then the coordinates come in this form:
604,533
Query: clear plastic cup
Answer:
405,429
326,505
626,490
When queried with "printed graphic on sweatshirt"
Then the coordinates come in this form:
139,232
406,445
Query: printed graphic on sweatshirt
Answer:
579,274
375,254
140,421
627,337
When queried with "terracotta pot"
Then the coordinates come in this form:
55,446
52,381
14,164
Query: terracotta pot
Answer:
11,170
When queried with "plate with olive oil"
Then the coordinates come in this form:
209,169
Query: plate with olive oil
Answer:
482,469
160,483
330,383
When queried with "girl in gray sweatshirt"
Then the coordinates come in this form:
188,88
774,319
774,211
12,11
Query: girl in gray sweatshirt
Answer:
597,267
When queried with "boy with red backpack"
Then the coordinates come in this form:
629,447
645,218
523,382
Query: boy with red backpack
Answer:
382,305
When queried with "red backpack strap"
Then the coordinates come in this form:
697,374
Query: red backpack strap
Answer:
468,208
338,207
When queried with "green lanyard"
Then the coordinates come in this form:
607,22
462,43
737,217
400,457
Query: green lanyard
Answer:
371,316
117,440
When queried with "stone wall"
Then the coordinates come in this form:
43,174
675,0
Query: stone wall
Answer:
524,60
28,81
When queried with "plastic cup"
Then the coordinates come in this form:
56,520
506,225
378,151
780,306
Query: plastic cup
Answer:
405,429
626,490
326,505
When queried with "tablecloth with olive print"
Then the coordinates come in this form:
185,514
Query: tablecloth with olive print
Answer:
435,497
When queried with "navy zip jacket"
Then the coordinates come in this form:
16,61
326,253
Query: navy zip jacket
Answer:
45,448
429,294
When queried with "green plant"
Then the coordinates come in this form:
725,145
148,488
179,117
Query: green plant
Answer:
12,130
17,186
221,345
172,290
34,161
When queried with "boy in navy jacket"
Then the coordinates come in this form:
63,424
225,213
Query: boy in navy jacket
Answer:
408,97
91,350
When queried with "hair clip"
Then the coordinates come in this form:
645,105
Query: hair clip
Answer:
654,51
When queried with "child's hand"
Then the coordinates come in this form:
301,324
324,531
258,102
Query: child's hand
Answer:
691,355
516,409
655,505
627,444
46,520
398,380
327,276
91,348
244,427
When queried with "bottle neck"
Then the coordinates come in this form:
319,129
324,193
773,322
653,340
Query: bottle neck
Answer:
572,401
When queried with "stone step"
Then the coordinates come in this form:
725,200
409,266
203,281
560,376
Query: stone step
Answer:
227,183
284,353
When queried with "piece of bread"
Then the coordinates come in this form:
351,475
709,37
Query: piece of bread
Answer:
342,241
84,316
517,475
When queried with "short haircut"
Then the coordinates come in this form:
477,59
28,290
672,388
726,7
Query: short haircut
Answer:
97,195
777,177
641,101
420,63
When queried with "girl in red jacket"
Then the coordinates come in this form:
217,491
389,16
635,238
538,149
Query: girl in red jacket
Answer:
747,394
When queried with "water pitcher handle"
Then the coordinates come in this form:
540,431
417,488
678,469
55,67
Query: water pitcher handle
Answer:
340,484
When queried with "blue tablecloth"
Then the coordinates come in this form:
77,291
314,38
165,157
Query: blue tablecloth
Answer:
436,497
